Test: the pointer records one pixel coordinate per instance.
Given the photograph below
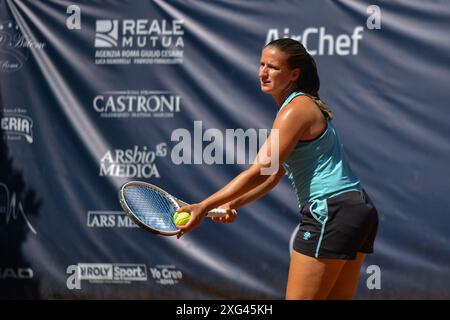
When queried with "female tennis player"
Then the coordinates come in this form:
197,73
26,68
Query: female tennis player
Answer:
339,221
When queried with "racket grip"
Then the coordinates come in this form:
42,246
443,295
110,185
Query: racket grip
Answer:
219,212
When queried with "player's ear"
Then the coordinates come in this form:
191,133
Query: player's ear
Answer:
295,74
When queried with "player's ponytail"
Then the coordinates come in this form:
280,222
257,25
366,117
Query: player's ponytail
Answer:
308,81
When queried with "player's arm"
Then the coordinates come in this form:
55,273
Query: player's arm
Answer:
288,128
251,196
258,192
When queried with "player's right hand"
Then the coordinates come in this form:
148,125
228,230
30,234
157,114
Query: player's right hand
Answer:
229,217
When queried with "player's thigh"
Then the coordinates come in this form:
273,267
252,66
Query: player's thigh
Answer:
311,278
347,281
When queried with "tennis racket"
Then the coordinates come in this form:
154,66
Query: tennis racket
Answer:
152,208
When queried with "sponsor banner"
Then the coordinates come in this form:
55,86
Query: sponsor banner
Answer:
109,219
139,41
166,275
320,41
16,124
15,47
135,162
137,104
168,92
118,273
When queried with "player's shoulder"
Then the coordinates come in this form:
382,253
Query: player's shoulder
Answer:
301,106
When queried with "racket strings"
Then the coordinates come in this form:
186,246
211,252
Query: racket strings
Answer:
151,207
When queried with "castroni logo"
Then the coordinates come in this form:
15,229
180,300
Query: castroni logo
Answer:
136,162
139,41
137,104
109,219
16,124
121,273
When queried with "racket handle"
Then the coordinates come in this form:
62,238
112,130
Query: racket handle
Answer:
219,212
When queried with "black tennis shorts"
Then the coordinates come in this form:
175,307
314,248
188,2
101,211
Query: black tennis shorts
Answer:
338,227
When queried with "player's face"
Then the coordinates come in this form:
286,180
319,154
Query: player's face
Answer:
275,76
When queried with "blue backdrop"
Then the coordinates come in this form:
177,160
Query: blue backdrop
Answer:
92,94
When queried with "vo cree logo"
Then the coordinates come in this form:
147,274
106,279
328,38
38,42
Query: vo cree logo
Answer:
166,275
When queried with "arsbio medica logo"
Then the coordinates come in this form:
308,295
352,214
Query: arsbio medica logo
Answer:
139,41
137,104
135,162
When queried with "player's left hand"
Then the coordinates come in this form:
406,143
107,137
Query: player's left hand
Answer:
198,213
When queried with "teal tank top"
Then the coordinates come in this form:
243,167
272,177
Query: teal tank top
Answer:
318,169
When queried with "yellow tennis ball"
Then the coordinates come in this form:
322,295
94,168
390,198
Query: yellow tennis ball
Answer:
181,218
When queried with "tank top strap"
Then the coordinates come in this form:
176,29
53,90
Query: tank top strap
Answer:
290,98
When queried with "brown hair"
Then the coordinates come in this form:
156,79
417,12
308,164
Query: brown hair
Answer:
308,81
